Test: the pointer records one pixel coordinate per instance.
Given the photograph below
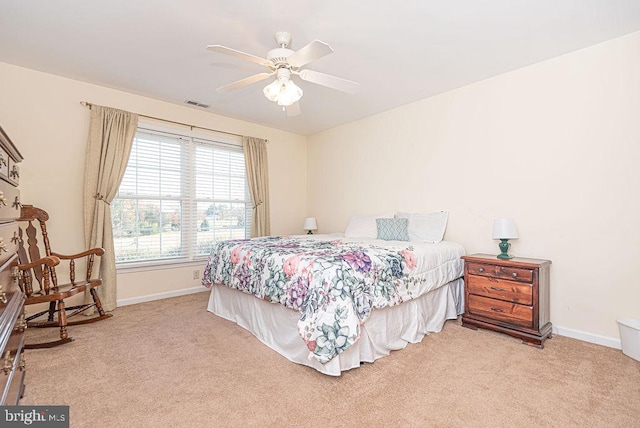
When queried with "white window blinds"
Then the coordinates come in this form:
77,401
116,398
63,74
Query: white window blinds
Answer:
179,195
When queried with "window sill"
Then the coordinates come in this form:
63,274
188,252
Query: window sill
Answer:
158,265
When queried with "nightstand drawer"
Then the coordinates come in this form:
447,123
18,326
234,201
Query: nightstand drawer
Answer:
500,289
512,313
504,272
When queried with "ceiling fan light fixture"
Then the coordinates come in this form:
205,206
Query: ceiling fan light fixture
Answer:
283,90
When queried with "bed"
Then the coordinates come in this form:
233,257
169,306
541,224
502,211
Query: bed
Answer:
332,302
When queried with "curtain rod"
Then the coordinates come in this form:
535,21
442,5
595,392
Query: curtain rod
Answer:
88,104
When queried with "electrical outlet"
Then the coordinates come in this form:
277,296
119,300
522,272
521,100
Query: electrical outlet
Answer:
196,274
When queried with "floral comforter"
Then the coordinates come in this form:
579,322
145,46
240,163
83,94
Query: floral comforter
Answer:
334,284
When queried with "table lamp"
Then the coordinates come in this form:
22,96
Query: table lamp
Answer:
309,225
504,229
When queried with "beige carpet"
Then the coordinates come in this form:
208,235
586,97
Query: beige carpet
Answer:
170,363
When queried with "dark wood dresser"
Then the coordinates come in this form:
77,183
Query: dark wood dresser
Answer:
12,322
508,296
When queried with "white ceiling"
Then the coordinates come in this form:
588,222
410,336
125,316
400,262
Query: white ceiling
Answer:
400,51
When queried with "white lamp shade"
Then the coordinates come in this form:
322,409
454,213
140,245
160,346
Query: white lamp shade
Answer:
310,223
505,228
272,90
289,94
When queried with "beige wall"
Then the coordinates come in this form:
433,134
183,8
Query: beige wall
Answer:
555,145
42,114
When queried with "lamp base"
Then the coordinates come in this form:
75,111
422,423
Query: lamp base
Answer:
504,250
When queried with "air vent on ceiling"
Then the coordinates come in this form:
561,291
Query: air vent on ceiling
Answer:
197,104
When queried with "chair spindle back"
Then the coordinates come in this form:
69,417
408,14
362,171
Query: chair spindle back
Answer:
30,234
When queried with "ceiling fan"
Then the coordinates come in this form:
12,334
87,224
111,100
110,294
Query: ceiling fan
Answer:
285,63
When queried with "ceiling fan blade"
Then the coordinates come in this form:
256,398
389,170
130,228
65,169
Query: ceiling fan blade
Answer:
330,81
293,109
244,82
312,51
243,55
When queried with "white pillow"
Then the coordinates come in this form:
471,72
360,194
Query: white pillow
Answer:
364,226
426,227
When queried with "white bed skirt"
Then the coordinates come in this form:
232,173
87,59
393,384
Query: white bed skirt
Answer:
386,329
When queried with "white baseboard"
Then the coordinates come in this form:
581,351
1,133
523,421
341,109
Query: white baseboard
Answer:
561,331
588,337
158,296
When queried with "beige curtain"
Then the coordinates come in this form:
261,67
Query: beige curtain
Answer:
109,144
255,158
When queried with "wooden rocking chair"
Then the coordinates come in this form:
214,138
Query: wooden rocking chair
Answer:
39,281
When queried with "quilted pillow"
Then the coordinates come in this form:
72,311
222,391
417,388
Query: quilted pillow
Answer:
393,229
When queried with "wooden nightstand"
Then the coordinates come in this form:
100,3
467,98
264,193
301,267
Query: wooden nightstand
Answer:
508,296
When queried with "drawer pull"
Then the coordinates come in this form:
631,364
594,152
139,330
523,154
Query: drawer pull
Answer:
16,238
16,203
21,325
514,274
15,172
497,310
3,200
498,289
23,363
481,270
3,295
8,363
3,246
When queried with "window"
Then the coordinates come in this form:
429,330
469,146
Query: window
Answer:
179,195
